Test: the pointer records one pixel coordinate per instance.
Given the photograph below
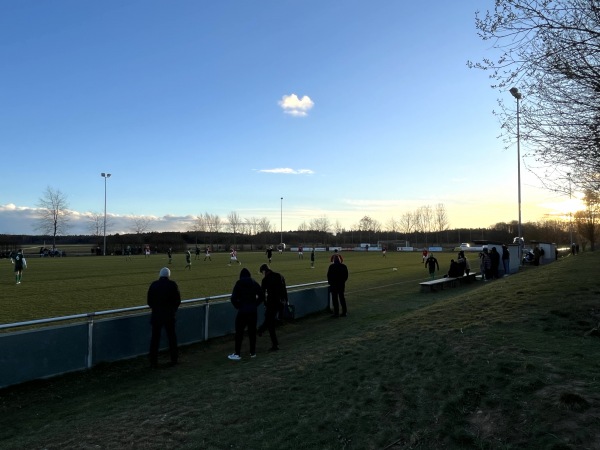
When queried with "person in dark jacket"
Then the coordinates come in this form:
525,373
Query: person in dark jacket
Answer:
273,287
506,259
495,257
247,295
337,275
164,300
431,263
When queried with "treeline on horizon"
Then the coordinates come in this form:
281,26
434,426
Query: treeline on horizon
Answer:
554,231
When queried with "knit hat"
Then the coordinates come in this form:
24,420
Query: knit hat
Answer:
245,273
164,272
263,268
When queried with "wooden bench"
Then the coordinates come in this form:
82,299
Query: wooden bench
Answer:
440,282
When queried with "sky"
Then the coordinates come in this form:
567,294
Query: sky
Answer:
285,109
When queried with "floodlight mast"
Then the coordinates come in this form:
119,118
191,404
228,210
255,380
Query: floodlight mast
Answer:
105,176
518,96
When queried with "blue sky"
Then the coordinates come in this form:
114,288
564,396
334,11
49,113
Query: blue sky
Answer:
344,109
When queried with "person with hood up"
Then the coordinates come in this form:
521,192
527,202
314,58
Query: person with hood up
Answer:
247,295
164,300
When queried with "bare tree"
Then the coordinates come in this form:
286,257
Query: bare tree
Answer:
141,224
234,222
200,224
53,214
320,224
587,222
550,51
264,225
407,223
441,221
252,225
96,223
338,228
213,222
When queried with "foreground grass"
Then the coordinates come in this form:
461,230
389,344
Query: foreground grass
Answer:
507,364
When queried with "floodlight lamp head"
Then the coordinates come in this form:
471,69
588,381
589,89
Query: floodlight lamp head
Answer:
515,93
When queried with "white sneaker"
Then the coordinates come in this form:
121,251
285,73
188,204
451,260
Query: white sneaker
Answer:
234,357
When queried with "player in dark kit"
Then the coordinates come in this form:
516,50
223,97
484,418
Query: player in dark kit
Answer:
20,263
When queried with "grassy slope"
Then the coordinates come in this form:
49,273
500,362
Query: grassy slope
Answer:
505,364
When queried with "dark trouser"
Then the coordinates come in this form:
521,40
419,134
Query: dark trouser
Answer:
269,324
155,340
243,320
338,294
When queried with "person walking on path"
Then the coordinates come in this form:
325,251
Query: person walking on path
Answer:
273,286
20,264
164,300
431,263
247,295
337,275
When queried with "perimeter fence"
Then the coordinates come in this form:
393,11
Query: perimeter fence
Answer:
49,347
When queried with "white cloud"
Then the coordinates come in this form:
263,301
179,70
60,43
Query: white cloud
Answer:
295,106
287,170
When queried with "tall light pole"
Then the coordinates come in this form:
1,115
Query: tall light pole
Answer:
516,94
105,176
281,223
570,213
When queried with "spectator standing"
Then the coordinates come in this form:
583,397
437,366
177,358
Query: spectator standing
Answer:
431,263
164,300
486,264
274,291
537,254
337,275
506,259
462,263
247,295
20,264
495,257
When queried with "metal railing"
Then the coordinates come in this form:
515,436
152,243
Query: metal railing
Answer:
91,315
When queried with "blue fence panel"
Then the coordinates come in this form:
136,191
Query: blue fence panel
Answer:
45,352
41,353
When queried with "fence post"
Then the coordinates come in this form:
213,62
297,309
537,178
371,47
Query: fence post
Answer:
90,318
206,314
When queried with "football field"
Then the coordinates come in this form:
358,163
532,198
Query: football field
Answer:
53,287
